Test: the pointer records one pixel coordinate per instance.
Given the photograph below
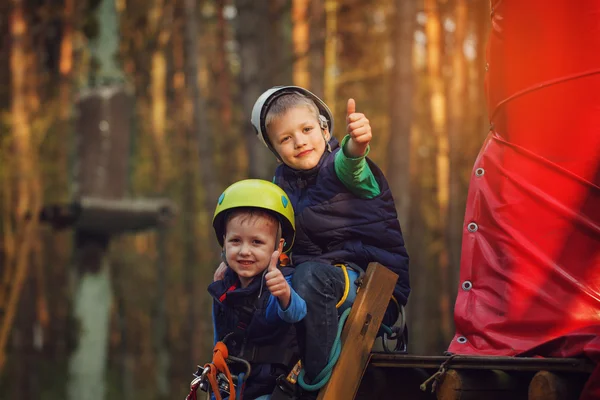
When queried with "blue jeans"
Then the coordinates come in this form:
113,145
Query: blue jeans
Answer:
321,286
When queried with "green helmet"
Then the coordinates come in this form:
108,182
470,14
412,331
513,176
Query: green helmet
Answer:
261,194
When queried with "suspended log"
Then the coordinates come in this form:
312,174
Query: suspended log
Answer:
547,385
489,385
109,217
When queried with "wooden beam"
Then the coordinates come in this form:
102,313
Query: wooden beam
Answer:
547,385
483,362
488,385
359,333
109,217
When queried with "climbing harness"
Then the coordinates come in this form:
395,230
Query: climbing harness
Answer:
215,377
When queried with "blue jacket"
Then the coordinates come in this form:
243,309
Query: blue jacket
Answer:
334,225
257,328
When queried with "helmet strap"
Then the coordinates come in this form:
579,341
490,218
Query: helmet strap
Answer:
224,257
324,125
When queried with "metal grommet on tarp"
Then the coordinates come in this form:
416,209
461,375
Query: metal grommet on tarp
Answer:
467,285
472,227
461,339
479,172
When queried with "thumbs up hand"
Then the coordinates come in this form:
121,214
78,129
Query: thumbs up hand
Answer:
276,282
359,130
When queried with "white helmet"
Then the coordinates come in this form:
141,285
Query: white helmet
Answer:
259,111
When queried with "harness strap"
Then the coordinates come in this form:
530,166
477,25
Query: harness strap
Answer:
220,354
269,354
212,379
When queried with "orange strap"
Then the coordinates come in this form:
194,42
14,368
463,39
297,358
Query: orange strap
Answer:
212,379
220,354
218,364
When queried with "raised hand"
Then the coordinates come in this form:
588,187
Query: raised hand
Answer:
276,282
359,130
220,272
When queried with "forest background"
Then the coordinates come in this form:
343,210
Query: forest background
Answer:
190,72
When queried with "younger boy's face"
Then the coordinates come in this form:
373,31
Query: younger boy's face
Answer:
249,244
297,137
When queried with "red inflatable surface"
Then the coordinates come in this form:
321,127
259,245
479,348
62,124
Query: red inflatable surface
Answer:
530,268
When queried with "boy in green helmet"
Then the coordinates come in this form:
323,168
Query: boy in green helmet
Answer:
254,305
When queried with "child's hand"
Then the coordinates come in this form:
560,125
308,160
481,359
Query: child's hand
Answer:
276,283
359,130
220,272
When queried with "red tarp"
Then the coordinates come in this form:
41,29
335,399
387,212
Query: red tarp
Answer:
530,268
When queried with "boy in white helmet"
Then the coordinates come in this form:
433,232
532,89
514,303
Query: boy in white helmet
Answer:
345,212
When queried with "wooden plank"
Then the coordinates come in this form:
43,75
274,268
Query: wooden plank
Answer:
359,333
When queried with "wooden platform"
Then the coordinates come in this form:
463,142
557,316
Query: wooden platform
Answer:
394,376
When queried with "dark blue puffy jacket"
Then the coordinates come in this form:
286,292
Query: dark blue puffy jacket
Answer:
334,225
247,317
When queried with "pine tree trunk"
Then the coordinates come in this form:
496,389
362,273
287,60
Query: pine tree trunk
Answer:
331,17
457,128
401,104
250,25
317,47
439,120
104,114
160,18
300,39
26,197
200,129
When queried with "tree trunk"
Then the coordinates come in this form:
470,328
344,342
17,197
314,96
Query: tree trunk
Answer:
300,39
439,120
401,103
104,115
317,47
331,31
456,134
200,129
229,166
27,198
160,19
250,25
87,365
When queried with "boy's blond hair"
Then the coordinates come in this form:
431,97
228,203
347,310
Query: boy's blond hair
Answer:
283,104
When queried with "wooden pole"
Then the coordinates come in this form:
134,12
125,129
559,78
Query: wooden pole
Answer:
488,385
547,385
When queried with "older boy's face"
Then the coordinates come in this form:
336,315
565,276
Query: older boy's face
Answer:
249,244
297,137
